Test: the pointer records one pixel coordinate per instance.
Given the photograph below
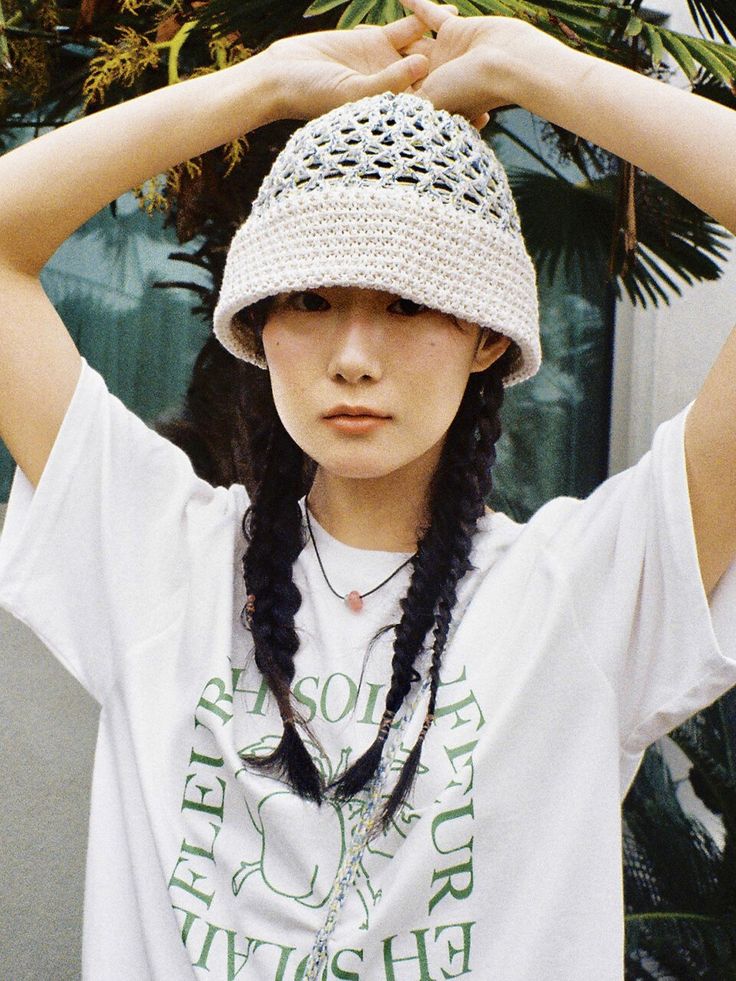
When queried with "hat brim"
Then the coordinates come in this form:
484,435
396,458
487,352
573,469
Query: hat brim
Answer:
472,269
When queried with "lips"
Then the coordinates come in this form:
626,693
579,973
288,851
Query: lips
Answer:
355,425
354,410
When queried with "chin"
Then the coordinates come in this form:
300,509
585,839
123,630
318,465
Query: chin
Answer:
354,465
357,471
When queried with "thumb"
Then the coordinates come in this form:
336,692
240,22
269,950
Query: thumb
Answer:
399,76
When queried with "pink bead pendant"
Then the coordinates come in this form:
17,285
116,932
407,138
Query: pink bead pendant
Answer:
355,601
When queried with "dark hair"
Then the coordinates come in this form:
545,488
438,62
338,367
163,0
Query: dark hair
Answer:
281,474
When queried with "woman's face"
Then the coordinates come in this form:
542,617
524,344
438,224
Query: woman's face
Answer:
335,346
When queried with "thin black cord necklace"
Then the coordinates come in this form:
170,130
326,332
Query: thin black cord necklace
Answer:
353,599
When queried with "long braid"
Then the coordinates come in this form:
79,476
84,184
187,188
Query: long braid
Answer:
474,484
273,525
418,617
458,491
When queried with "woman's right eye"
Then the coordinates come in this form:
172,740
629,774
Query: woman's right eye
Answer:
310,299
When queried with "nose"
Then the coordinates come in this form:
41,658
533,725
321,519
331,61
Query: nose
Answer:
356,348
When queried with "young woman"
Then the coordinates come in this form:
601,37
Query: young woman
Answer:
371,730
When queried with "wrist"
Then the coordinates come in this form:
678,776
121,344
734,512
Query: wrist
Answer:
539,72
274,82
255,80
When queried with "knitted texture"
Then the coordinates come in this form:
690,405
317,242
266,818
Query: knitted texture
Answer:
387,193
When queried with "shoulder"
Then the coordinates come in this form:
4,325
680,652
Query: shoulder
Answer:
494,535
500,536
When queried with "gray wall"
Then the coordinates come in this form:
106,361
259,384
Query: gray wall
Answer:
661,358
49,726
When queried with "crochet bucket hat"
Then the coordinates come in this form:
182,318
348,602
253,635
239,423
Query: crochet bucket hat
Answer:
387,193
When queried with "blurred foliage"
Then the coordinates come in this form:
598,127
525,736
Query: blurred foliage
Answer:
679,884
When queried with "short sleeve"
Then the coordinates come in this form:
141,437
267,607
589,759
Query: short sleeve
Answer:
629,556
97,557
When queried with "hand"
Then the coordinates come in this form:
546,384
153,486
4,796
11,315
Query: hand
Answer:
317,72
471,57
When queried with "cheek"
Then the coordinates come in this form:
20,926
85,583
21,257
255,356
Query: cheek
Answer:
272,339
437,379
447,347
287,388
288,384
283,342
288,367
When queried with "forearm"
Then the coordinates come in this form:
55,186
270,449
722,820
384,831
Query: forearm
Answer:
689,143
62,178
682,139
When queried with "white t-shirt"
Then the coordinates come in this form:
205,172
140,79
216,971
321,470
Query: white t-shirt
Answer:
582,636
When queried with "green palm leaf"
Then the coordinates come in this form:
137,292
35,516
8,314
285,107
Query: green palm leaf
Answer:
569,227
654,43
468,8
680,52
323,6
358,13
719,63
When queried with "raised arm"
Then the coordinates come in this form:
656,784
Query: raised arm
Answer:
59,181
686,141
64,177
78,169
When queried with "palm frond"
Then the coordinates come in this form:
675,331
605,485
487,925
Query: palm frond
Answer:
680,922
323,6
359,12
569,226
715,17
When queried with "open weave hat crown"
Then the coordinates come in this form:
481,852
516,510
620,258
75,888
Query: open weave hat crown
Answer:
387,193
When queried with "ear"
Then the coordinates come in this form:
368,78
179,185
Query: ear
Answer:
490,348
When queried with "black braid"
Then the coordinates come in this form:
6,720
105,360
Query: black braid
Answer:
457,495
479,411
273,526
